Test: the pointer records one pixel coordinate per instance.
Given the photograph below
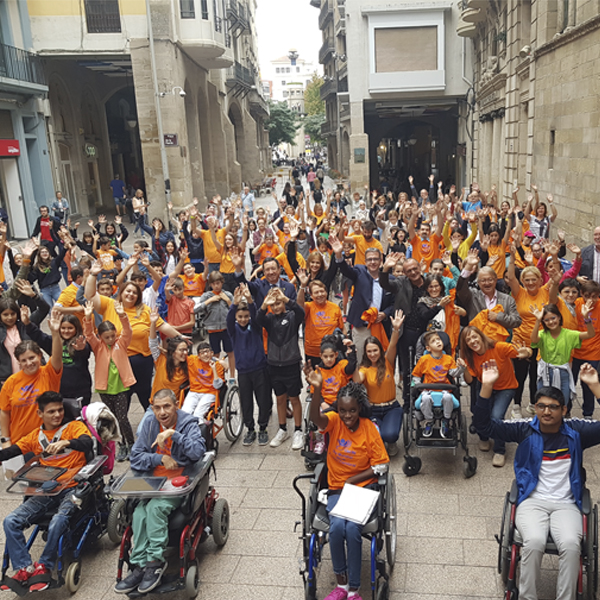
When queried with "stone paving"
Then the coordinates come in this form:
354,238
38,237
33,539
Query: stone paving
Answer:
446,526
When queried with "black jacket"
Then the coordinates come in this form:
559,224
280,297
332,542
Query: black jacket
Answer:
283,345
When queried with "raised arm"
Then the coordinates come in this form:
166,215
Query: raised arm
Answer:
91,291
397,321
511,277
56,356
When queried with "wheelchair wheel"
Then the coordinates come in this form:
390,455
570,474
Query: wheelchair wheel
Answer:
220,522
390,522
504,543
192,580
406,425
591,551
73,577
232,414
411,465
382,590
310,589
117,521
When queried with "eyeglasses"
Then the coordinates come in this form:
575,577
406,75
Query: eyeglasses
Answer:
551,407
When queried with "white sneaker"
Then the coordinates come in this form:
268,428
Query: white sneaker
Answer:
516,413
530,409
297,440
279,438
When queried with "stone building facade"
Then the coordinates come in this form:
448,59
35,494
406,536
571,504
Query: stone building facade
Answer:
535,102
103,103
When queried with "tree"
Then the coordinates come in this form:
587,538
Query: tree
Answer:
313,105
282,124
312,127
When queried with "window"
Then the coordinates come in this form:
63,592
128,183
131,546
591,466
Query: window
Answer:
297,69
102,16
204,8
186,8
285,94
405,49
277,70
551,152
283,83
287,69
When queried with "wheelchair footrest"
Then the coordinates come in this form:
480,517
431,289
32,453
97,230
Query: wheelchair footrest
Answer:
22,590
169,583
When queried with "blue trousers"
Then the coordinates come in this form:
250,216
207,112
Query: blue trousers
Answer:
564,385
50,294
501,400
345,540
26,515
389,421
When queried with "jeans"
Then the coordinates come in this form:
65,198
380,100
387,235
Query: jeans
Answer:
588,396
255,383
389,421
501,400
50,294
341,531
151,529
139,220
565,387
534,519
32,510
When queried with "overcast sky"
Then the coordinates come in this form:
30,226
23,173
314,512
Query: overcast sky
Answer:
286,24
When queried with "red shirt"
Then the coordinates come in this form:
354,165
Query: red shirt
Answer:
45,225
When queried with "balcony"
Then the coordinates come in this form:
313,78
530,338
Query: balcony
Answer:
345,112
326,49
325,14
240,80
340,25
237,16
21,70
259,107
328,129
102,16
329,88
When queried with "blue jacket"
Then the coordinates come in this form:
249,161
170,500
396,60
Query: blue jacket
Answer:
187,448
528,457
248,347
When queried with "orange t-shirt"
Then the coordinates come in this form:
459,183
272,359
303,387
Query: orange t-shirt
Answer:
334,379
452,320
161,380
320,321
492,329
519,262
67,299
211,253
265,252
590,349
180,311
226,264
426,250
362,245
380,394
194,286
569,319
524,301
202,375
352,452
18,397
69,460
283,261
106,258
140,324
500,251
434,370
283,237
161,470
501,353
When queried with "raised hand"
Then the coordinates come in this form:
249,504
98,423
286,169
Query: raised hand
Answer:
586,308
335,244
302,277
55,321
88,309
485,242
24,287
397,320
96,268
550,198
25,314
574,248
313,378
455,243
79,343
411,179
472,260
447,259
588,375
102,219
237,295
489,372
119,309
537,313
91,223
118,220
391,261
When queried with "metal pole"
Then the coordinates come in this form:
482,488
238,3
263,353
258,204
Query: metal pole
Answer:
161,137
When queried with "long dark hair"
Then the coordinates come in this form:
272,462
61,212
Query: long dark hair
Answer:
465,352
9,304
172,344
380,364
68,344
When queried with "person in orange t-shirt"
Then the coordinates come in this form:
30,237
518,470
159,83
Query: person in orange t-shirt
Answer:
206,379
356,455
425,246
363,242
477,348
194,284
18,409
60,445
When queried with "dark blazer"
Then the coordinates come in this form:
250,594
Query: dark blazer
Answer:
260,288
363,293
587,262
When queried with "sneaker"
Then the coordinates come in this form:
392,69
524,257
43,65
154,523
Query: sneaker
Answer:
152,575
428,429
515,413
298,440
530,409
279,438
498,460
42,572
445,429
21,576
485,445
231,381
131,582
122,453
338,593
392,449
319,447
249,438
263,438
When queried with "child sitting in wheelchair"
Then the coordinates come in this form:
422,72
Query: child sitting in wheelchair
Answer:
434,367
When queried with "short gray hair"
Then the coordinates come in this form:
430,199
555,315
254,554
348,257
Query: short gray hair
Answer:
166,393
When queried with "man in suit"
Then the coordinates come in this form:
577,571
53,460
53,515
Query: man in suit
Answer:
368,292
590,259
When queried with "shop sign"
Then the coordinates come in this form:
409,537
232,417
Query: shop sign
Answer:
10,148
359,155
171,139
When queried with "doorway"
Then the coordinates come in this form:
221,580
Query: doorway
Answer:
67,179
11,197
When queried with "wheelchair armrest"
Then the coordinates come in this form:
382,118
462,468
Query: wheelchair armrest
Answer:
586,502
91,468
513,495
436,387
318,472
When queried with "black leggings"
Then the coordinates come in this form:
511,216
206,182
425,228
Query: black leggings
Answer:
142,367
118,404
524,367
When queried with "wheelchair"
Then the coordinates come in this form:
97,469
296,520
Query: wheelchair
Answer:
510,543
311,458
380,531
201,513
88,524
412,431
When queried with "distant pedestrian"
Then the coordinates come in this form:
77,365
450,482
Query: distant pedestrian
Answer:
60,208
117,185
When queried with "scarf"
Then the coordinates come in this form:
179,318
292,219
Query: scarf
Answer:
377,329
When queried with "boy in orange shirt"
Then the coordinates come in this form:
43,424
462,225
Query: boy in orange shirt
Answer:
206,379
194,283
435,367
180,309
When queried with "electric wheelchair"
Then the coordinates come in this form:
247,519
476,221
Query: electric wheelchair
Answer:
201,513
510,543
380,531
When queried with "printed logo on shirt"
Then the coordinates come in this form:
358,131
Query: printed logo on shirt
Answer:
344,454
28,395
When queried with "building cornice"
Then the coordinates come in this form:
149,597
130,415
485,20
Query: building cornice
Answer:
569,35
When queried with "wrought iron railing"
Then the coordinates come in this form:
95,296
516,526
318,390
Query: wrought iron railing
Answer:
21,65
103,16
240,74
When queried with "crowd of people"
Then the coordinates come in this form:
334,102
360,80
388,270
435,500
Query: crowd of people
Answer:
339,283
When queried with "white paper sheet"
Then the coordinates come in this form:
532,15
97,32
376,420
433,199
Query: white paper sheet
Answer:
355,504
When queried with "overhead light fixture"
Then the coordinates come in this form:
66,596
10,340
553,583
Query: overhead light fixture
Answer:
412,141
132,123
